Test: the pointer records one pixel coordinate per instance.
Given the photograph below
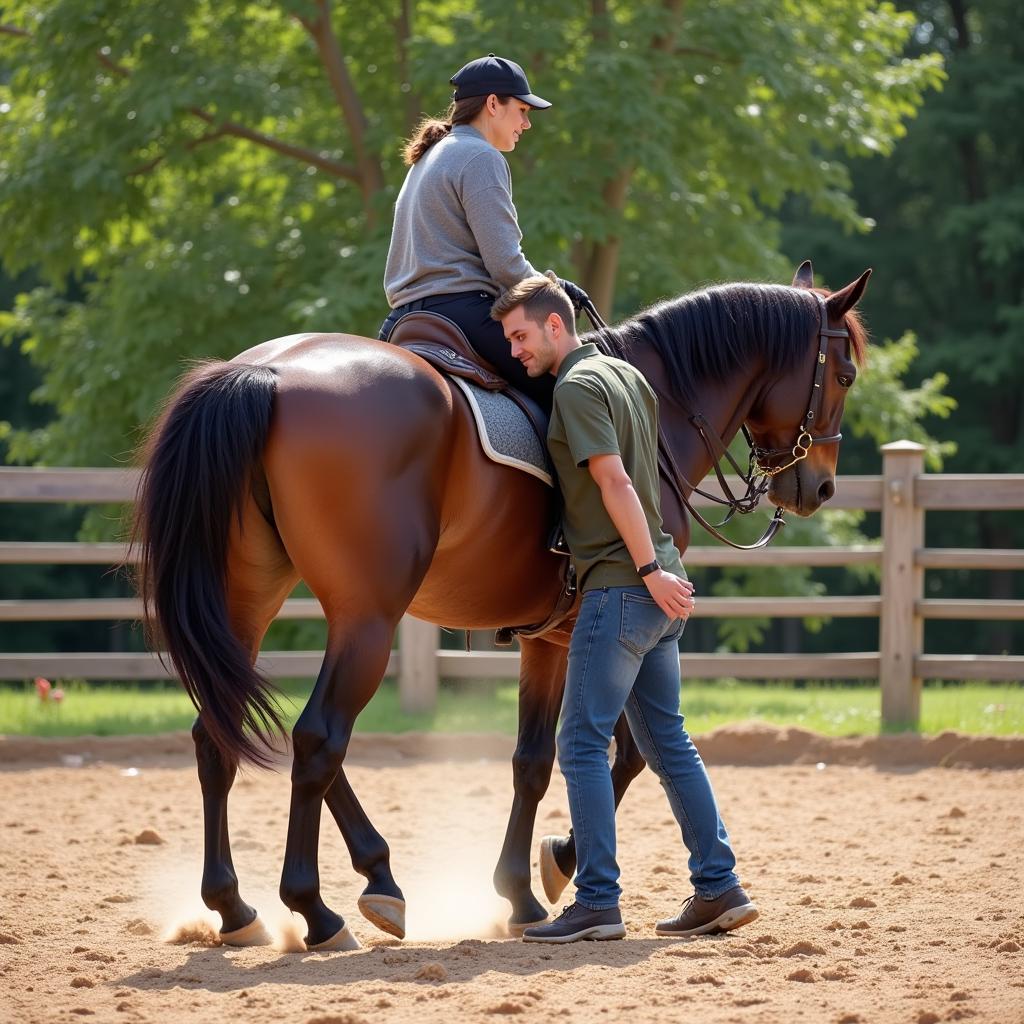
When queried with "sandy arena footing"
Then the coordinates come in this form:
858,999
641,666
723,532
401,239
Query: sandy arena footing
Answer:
888,892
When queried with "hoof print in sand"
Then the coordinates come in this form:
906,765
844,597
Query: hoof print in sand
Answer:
862,902
803,948
432,971
802,974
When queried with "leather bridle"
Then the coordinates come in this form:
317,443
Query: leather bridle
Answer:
759,472
805,440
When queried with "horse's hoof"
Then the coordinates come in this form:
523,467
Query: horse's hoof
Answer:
516,928
384,912
342,940
253,934
551,876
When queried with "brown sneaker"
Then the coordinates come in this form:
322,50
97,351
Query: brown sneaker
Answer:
710,917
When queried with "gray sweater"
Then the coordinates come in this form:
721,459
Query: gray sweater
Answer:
455,228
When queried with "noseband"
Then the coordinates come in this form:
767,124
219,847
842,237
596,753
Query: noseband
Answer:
759,473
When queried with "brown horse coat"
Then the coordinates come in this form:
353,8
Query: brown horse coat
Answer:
355,466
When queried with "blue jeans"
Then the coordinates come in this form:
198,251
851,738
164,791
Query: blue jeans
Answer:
624,655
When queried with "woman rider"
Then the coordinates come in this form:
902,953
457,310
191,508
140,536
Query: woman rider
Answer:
456,242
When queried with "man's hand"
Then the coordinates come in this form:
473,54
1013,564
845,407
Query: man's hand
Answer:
673,595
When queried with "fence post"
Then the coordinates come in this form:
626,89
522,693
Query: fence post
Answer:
900,628
417,665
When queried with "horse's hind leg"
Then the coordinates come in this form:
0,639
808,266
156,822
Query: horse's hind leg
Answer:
354,665
219,887
358,478
260,577
361,621
382,902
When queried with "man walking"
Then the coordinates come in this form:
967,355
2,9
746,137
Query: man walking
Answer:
636,599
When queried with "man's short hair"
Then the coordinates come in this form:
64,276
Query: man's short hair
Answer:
540,296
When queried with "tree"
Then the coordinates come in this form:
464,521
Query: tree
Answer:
212,175
949,244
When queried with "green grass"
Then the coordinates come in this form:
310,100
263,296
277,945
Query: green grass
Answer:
120,709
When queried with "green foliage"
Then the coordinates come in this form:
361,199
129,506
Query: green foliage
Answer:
949,208
190,178
885,408
203,174
949,248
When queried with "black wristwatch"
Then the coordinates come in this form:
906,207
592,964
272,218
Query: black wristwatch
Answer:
646,570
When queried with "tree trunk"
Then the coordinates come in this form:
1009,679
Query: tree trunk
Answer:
412,106
604,260
603,264
371,174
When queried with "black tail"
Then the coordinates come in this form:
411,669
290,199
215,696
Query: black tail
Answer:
199,463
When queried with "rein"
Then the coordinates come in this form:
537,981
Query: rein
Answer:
759,473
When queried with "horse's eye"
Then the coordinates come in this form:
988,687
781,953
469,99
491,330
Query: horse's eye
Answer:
845,382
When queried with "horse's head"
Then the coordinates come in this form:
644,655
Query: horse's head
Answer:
795,423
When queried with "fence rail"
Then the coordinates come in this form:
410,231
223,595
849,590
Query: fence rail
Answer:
903,493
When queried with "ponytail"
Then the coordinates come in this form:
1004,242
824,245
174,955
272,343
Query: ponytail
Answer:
432,129
428,131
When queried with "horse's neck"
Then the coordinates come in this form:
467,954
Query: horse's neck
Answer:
724,406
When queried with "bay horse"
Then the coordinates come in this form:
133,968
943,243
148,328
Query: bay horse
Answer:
353,465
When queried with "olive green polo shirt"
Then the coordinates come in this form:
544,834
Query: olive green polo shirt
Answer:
603,406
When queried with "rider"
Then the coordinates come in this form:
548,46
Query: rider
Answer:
456,242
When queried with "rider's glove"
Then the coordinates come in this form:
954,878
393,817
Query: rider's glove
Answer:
577,296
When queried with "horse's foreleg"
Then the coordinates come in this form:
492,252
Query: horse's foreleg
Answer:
382,902
558,855
541,684
353,667
219,887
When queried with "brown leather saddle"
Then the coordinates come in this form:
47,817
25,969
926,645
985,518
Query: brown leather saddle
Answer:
441,342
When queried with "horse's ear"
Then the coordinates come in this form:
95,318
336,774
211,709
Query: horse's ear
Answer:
804,276
841,302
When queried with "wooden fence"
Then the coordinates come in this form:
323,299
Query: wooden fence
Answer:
903,494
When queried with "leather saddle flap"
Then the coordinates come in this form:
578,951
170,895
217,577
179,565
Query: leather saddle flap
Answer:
441,343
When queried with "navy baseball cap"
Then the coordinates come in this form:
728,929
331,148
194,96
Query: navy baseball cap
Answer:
496,75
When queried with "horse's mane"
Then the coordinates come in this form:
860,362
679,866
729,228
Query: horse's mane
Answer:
705,335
